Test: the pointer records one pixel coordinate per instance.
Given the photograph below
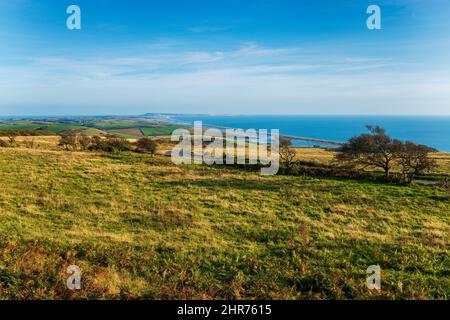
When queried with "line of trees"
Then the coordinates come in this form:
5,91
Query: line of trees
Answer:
378,150
374,150
109,143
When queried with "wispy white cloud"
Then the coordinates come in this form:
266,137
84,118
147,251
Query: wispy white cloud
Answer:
264,80
249,58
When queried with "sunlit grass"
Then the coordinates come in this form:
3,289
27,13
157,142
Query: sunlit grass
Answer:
141,227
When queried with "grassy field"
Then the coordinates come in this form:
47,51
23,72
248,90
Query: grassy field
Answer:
125,128
141,227
122,124
159,130
126,135
56,128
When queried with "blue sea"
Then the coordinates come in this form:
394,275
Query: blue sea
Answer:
433,131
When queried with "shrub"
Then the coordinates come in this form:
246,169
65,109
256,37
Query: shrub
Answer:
68,141
84,142
110,144
12,139
146,145
118,144
3,144
287,154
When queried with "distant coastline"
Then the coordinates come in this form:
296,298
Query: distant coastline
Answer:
433,131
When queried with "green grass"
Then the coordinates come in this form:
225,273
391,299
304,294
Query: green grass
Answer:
160,131
90,132
58,128
19,126
121,124
141,227
55,128
147,128
96,127
125,135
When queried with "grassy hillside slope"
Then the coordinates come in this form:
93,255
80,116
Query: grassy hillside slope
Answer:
141,227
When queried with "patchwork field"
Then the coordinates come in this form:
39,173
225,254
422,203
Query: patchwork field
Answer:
141,227
56,128
125,128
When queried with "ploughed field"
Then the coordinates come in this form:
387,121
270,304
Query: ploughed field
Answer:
141,227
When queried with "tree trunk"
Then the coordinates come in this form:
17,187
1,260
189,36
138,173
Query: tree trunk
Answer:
386,172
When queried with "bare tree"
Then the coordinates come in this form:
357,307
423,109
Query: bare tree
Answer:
287,154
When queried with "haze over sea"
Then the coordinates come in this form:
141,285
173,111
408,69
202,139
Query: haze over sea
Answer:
433,131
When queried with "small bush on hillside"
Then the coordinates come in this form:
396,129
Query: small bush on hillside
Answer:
119,144
3,144
146,145
68,141
84,142
12,139
110,144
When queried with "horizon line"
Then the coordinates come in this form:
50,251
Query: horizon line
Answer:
222,115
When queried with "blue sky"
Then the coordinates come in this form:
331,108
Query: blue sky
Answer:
228,56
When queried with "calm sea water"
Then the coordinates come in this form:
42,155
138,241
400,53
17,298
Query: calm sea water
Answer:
433,131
